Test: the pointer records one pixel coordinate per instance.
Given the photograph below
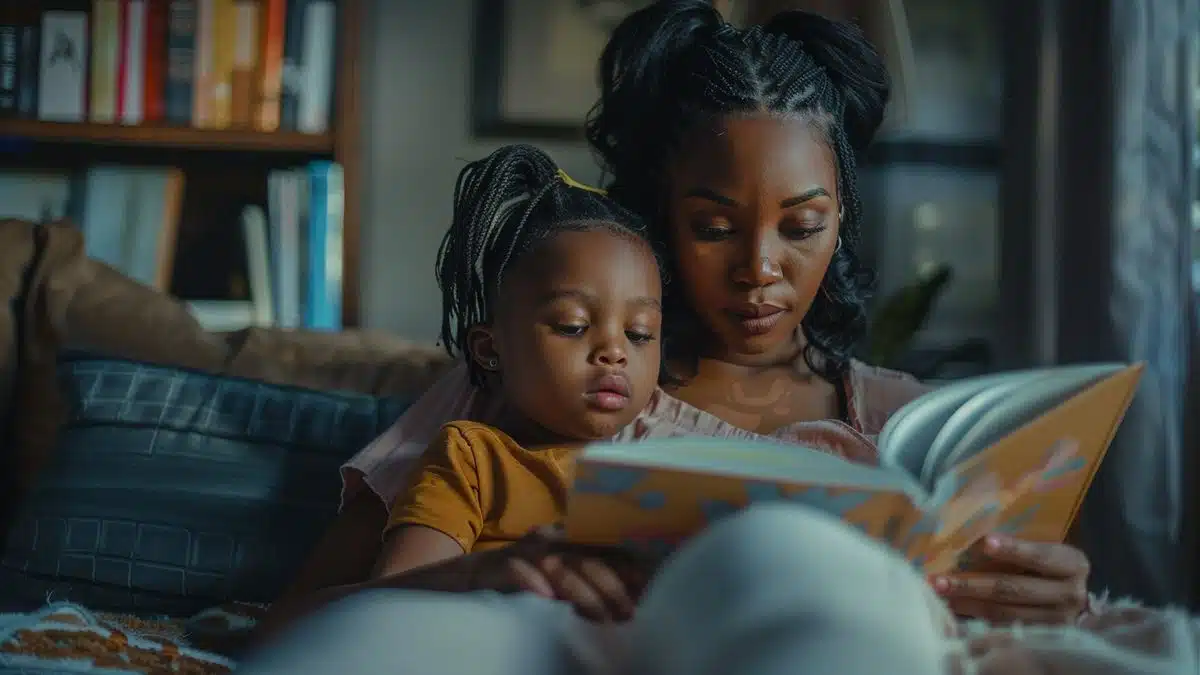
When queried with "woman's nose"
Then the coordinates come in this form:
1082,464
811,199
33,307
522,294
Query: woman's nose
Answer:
759,267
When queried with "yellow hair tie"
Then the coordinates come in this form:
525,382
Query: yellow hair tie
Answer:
571,182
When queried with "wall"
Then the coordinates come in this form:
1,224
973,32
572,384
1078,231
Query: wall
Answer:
417,126
417,138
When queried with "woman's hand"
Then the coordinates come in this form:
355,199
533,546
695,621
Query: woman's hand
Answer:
602,584
1048,584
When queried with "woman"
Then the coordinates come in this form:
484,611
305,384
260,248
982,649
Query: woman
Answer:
741,146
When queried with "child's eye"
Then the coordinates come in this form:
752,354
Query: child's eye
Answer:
712,232
639,338
569,330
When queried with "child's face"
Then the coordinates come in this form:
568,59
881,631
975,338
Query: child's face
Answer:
576,336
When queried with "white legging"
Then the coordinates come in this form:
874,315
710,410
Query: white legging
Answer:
775,589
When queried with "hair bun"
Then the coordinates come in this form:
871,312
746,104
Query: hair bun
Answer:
852,63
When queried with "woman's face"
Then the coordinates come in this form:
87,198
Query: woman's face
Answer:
753,213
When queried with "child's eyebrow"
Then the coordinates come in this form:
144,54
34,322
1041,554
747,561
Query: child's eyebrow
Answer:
588,298
647,301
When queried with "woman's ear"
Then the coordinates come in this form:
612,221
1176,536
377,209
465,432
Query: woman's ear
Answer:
482,346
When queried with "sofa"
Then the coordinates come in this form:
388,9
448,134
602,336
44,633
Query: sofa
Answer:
152,474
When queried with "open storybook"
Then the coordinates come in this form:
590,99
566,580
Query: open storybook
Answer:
1011,452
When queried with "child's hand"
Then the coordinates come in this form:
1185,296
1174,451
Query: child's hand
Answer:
602,584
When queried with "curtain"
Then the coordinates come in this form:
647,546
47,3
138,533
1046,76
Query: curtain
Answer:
1096,256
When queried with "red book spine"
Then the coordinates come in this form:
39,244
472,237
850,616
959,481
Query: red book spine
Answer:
154,105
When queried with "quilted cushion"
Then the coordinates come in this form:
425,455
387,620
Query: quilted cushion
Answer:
173,490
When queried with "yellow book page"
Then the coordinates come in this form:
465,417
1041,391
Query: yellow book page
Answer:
1036,477
657,509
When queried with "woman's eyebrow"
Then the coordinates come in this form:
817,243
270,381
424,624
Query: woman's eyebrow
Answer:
714,196
807,195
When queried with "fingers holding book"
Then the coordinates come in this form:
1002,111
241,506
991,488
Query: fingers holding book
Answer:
1049,559
1047,584
602,583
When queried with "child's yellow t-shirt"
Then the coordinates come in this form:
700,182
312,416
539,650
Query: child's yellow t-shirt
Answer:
477,485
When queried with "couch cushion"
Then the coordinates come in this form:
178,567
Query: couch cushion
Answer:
171,490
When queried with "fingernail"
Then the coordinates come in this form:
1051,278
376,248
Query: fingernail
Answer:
941,584
996,542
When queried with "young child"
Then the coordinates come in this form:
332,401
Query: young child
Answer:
552,296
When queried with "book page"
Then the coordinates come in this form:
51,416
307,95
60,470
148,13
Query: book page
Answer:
1038,475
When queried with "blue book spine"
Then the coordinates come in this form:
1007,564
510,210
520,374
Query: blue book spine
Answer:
323,309
181,50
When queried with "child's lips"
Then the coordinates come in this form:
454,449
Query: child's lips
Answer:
610,392
607,400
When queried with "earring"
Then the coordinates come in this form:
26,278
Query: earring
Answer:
493,363
839,244
841,214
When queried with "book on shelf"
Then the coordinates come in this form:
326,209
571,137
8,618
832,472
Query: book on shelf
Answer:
262,65
129,215
1011,452
130,218
293,255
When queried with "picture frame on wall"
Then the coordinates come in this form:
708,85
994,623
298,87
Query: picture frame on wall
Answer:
535,65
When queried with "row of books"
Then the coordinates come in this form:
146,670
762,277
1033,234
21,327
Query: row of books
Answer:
130,220
213,64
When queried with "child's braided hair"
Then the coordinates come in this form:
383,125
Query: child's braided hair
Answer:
504,205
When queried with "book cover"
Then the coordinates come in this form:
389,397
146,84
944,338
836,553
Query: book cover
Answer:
1023,471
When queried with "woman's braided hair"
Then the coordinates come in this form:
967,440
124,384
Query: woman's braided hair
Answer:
504,206
677,64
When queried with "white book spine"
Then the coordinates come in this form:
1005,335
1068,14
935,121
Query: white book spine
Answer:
316,91
135,62
258,262
202,63
245,46
62,85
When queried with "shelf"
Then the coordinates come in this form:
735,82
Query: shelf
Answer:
166,137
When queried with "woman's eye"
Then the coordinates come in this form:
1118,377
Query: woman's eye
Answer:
570,330
639,337
800,232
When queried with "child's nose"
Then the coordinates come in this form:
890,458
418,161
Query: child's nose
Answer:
610,353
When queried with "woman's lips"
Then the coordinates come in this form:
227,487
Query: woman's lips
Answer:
758,319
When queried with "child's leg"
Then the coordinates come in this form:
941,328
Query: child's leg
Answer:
781,589
420,633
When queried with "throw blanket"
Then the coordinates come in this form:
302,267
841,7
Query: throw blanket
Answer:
1125,639
66,638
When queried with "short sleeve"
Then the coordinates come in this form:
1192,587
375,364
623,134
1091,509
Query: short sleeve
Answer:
385,464
443,493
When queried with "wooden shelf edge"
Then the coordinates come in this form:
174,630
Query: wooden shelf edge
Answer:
166,137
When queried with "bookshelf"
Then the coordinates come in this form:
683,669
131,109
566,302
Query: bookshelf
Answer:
223,166
167,137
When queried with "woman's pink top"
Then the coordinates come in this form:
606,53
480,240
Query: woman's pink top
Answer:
872,396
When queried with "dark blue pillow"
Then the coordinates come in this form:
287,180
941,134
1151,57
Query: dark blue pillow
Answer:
172,490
